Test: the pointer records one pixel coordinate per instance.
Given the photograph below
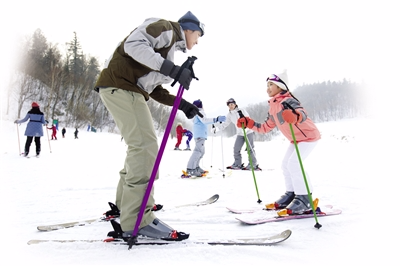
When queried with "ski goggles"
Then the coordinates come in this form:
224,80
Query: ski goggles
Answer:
274,77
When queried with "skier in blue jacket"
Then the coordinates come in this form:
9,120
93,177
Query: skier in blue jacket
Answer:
34,129
200,136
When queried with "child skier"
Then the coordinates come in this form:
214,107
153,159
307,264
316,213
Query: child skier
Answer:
54,132
189,136
180,131
200,136
232,117
295,199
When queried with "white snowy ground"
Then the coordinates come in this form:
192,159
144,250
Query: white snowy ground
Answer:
353,168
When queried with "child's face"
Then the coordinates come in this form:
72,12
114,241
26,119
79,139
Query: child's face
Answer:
231,106
192,38
272,89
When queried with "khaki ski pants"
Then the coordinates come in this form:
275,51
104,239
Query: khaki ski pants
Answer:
134,120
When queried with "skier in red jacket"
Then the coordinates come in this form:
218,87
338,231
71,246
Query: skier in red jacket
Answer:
53,135
180,132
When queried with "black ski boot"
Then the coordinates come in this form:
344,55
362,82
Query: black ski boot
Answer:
157,230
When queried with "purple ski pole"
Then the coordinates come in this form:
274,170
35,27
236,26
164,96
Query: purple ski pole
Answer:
158,159
171,119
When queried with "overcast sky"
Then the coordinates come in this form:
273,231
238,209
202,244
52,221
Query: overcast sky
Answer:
244,41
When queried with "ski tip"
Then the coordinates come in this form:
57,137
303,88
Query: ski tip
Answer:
287,233
215,197
282,236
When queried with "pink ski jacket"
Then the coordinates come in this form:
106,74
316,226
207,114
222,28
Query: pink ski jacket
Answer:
304,130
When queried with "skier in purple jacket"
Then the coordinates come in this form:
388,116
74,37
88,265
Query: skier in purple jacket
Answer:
34,129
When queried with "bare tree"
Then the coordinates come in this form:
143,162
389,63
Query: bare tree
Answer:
26,89
53,78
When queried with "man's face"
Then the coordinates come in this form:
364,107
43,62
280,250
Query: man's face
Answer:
192,38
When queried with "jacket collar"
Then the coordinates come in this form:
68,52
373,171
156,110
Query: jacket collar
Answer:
180,44
279,97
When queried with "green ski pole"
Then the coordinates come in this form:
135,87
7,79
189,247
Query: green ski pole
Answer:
317,225
250,159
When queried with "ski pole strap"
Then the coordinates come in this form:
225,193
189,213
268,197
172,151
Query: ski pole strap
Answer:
242,116
288,106
187,64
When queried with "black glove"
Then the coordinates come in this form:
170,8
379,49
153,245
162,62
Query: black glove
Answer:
189,109
169,69
16,121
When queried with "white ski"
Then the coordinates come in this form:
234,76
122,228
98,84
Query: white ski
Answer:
90,221
251,241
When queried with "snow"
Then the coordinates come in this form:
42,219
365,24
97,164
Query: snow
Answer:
352,168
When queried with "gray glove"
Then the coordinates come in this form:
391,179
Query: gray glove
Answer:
169,69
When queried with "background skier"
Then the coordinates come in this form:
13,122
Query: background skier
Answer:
34,129
232,117
200,136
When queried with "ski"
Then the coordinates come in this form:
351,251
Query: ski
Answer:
46,228
261,220
226,173
257,241
252,210
240,211
188,176
53,227
201,203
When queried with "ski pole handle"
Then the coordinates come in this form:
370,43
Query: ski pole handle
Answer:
288,106
187,64
242,116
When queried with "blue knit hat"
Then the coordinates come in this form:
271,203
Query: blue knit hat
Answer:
190,22
198,103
